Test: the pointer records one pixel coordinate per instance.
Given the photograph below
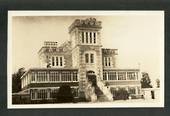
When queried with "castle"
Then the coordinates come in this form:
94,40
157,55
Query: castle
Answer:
81,63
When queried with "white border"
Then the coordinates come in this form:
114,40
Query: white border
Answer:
82,105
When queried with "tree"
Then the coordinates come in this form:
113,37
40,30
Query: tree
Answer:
16,80
65,94
157,83
145,80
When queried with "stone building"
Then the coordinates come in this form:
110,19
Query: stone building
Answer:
81,63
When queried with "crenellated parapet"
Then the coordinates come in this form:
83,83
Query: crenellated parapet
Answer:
106,51
85,23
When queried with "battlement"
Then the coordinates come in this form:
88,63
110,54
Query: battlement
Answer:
85,23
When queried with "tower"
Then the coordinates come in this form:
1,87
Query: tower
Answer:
85,38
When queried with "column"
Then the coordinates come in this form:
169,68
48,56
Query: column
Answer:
35,77
29,78
48,76
25,79
88,37
84,34
82,37
136,90
60,76
96,36
107,75
92,36
136,76
126,75
116,75
48,93
35,90
71,76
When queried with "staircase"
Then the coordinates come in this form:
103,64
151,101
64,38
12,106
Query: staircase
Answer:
98,92
106,92
90,92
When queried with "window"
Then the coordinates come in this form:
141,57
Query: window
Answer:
61,61
105,59
131,75
87,58
92,58
54,76
104,75
75,76
42,76
53,93
66,76
42,94
109,61
112,76
52,61
82,35
86,37
33,76
121,75
90,37
56,61
33,94
94,37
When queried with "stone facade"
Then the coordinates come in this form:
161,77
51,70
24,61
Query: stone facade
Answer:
82,54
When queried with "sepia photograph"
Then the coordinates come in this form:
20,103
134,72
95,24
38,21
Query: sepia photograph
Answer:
85,59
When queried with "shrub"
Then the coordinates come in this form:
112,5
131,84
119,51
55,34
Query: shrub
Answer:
121,94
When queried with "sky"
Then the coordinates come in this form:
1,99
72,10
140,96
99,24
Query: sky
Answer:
137,36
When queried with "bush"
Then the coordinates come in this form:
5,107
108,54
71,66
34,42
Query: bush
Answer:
121,94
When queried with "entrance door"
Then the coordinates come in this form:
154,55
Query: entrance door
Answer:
91,78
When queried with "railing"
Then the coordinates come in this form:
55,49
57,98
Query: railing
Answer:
105,90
